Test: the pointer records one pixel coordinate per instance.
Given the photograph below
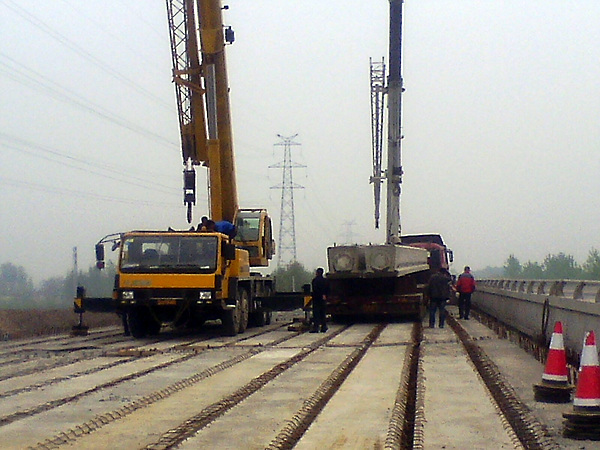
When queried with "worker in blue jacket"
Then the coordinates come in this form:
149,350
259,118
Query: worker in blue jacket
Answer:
226,227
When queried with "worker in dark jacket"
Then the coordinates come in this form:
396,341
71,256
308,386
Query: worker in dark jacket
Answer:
320,289
438,291
465,287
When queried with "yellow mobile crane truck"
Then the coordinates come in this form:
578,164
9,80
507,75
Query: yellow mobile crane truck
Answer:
186,277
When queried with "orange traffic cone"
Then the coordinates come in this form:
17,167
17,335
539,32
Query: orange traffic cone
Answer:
584,421
587,395
555,386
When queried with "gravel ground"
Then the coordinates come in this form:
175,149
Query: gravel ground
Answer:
17,324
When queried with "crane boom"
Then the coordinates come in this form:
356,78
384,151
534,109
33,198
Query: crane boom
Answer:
394,92
198,40
203,101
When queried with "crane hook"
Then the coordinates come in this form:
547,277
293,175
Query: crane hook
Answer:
189,191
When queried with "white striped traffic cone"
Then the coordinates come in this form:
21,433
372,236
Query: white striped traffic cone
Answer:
555,386
587,394
584,421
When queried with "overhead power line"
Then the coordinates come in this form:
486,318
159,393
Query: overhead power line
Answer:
70,161
83,53
78,193
106,29
23,76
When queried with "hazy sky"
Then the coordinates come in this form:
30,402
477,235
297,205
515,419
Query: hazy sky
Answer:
500,116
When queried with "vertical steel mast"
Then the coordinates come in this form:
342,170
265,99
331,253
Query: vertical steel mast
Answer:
377,110
394,92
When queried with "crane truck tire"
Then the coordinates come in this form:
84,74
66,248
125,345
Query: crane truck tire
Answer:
258,318
244,306
153,326
137,322
231,319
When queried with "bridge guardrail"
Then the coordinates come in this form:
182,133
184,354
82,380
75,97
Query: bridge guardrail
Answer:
588,291
533,306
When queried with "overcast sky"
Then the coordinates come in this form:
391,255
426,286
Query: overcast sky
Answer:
500,116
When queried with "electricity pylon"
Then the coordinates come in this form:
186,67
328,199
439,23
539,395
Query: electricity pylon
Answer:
286,253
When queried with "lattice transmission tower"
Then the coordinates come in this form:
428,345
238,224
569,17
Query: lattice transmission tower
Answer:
286,251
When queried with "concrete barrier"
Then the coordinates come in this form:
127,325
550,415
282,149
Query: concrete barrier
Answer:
533,306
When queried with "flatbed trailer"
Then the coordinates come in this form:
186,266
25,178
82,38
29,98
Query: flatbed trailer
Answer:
384,280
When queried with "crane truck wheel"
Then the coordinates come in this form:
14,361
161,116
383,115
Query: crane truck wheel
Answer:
153,326
138,322
244,306
266,313
257,318
231,320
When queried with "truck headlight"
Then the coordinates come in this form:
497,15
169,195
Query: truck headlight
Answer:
127,295
205,295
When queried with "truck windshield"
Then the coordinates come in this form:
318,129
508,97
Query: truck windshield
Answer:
248,227
156,253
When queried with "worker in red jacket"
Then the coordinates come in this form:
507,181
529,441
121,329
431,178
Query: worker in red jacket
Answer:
465,286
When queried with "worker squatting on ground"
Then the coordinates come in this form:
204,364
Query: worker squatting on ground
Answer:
438,291
465,286
320,289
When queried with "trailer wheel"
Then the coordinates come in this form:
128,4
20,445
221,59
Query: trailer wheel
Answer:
244,306
137,322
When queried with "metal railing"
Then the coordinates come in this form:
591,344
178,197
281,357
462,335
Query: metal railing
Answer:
587,291
533,306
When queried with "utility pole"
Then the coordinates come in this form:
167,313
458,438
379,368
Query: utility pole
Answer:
75,271
286,253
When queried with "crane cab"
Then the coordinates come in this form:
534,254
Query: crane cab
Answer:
255,234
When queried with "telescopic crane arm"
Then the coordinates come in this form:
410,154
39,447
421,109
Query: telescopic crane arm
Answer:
200,75
198,40
394,92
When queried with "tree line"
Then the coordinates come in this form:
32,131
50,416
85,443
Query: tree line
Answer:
554,266
17,290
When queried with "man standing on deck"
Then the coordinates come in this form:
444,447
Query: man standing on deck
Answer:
320,289
438,291
465,287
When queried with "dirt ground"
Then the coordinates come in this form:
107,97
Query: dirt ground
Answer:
16,324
